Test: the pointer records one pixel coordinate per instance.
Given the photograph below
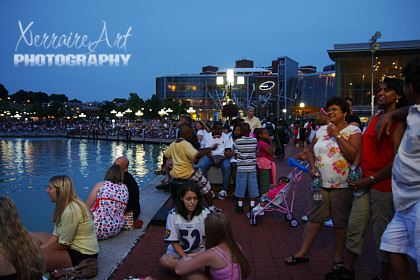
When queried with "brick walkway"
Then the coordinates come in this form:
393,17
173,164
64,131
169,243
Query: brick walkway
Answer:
265,245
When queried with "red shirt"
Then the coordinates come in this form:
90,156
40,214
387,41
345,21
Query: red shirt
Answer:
376,154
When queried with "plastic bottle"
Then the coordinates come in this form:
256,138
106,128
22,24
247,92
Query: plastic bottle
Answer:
355,176
316,188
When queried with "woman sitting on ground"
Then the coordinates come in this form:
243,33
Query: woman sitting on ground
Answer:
20,254
184,226
222,257
73,239
108,200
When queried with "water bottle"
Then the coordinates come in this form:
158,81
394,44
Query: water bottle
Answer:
355,176
316,188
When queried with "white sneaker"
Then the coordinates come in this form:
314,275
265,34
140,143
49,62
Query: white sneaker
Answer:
212,194
304,218
222,194
256,209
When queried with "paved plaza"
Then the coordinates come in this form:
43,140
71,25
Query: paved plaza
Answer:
265,245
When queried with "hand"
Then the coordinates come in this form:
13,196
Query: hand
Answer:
333,130
229,154
186,258
385,121
214,147
361,184
314,172
302,155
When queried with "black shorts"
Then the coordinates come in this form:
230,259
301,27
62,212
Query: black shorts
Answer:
76,257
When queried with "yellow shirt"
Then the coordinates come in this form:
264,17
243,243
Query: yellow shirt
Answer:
76,232
183,155
253,123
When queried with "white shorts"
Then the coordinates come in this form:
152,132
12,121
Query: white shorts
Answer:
402,234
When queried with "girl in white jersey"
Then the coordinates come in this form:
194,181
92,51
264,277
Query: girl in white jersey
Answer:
184,226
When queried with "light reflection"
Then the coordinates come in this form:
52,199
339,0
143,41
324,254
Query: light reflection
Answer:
83,158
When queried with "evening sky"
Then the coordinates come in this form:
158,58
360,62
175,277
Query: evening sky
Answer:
180,37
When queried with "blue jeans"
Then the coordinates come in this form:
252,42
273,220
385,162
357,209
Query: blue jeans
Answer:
246,180
206,163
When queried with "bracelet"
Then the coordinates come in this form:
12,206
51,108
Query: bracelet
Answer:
339,136
372,179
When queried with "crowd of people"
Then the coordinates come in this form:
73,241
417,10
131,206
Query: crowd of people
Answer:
201,242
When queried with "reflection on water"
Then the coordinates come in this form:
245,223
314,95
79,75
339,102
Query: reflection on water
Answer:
26,165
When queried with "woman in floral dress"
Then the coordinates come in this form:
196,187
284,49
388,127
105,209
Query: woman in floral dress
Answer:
108,200
330,155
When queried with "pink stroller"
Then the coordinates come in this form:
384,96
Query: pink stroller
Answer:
276,199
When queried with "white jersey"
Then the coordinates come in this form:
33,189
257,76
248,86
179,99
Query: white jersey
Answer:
189,234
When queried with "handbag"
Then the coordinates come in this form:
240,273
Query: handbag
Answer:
129,221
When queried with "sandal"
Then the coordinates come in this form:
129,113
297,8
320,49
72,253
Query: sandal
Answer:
160,172
296,260
337,265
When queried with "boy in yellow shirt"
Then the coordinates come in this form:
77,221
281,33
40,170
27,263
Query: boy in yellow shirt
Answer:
183,155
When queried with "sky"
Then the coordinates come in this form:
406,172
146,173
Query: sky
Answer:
167,37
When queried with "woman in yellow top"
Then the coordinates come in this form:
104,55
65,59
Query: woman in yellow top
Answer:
74,238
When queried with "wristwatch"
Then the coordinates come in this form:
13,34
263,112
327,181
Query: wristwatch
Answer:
372,179
339,135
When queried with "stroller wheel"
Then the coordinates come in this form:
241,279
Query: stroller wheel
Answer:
294,223
288,216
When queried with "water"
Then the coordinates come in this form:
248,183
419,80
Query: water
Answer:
26,165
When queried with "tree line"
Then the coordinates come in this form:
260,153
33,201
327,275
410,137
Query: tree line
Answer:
59,105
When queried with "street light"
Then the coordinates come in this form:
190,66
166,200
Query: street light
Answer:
82,115
139,113
113,112
162,112
373,48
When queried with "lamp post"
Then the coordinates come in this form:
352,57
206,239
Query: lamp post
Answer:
302,106
230,82
373,48
191,111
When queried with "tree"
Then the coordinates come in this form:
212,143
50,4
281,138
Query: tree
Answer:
4,93
59,97
152,106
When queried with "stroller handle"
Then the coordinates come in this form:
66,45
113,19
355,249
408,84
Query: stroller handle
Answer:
292,163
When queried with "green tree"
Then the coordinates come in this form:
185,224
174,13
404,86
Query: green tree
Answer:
59,97
20,96
4,93
152,107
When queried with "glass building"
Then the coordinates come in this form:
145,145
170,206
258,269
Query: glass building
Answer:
206,96
354,68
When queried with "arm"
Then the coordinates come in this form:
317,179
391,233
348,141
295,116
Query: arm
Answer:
178,249
311,158
53,239
90,201
385,172
200,137
269,150
347,147
385,121
188,265
205,152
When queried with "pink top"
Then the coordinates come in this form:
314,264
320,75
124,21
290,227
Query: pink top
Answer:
262,144
231,271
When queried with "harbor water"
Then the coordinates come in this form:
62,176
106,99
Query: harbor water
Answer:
26,165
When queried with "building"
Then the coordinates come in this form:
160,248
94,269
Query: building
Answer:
355,65
269,88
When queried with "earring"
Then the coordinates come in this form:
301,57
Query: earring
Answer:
396,101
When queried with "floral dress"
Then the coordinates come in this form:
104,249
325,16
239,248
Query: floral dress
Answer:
329,159
109,208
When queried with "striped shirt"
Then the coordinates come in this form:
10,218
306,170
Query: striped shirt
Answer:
246,153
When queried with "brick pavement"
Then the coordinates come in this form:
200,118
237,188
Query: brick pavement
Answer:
265,245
